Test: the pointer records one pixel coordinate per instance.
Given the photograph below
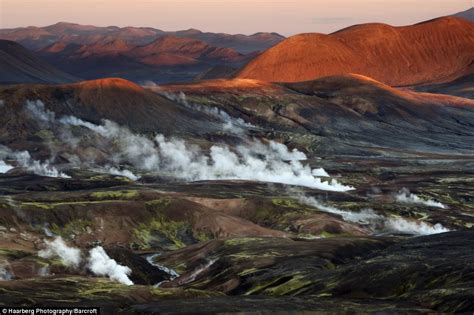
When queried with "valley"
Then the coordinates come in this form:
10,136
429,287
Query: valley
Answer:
283,178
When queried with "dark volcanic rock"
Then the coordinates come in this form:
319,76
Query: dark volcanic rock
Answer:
142,271
434,272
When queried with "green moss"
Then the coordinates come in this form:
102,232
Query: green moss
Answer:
202,236
248,271
50,206
12,254
39,205
294,284
73,227
115,195
45,135
158,204
241,241
287,203
171,231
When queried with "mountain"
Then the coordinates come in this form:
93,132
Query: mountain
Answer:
166,59
139,53
433,51
116,99
185,47
19,65
242,43
70,33
349,114
468,14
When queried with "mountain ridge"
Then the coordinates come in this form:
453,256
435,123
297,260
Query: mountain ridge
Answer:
432,51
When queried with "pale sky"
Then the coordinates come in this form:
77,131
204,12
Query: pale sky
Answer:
286,17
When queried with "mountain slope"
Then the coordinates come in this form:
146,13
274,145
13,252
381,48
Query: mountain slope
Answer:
115,99
462,87
433,51
166,59
468,14
21,66
349,114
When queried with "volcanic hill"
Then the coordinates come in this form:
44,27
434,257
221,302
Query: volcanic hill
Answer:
433,51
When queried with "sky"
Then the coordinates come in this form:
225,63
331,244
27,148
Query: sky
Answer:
287,17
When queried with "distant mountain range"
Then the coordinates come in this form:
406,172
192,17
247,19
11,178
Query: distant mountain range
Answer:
432,52
140,54
69,33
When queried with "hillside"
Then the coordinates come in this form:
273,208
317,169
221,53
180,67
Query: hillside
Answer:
21,66
468,14
348,114
116,99
433,51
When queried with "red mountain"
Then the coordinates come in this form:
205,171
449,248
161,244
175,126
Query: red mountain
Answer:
433,51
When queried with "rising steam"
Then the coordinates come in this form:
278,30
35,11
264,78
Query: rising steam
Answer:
70,256
98,262
377,222
24,159
102,265
4,167
254,160
404,196
232,124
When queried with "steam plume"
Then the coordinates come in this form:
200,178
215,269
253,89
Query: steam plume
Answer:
102,265
414,227
254,160
98,262
378,222
405,196
235,125
23,159
185,161
70,256
4,167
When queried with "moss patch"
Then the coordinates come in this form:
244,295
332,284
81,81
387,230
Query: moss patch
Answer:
115,195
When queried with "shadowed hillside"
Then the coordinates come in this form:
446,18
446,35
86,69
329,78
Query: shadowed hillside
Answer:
21,66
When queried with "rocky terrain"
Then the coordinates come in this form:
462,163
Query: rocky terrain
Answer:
221,239
339,194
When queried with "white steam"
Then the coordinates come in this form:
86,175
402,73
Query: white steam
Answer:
5,275
39,112
124,173
98,262
402,225
377,222
4,167
256,160
70,256
365,216
102,265
24,159
404,196
232,124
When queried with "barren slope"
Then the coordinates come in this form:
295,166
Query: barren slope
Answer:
433,51
21,66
